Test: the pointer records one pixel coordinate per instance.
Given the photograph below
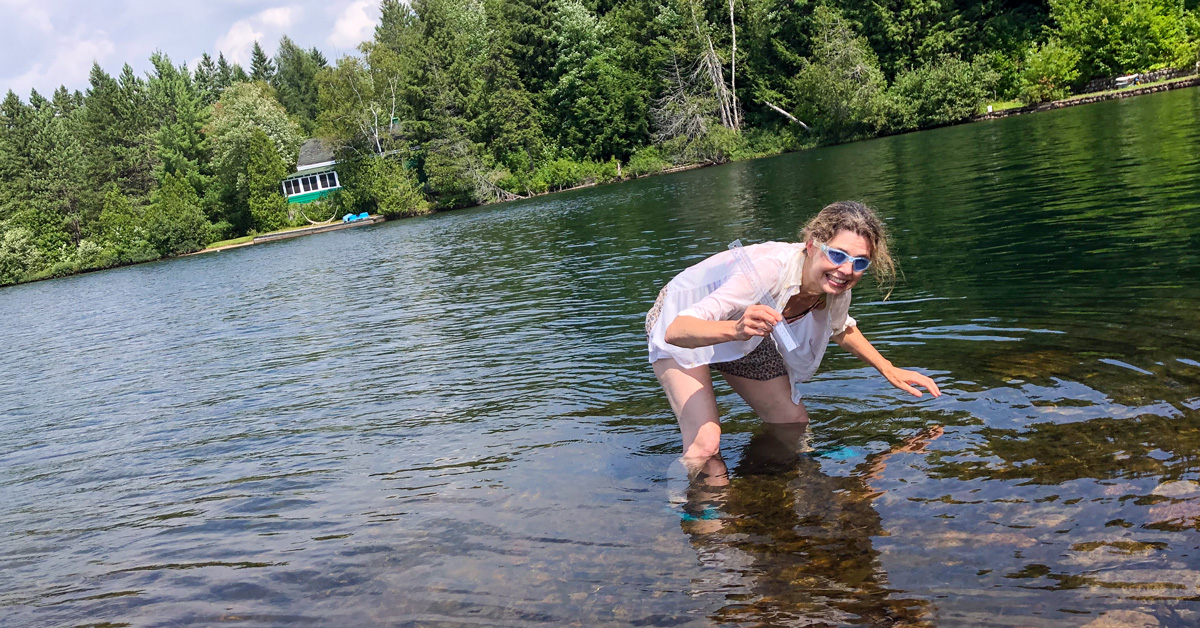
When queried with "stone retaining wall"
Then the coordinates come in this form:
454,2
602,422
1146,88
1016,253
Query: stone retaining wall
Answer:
1084,100
1109,83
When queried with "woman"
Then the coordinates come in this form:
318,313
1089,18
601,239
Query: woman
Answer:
709,315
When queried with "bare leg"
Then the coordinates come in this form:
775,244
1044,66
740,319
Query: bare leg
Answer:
690,392
771,400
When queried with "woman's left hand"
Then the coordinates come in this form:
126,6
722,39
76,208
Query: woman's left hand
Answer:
907,380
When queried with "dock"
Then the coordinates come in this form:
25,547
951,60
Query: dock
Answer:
303,231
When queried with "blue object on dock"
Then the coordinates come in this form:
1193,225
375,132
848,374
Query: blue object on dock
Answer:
364,216
349,217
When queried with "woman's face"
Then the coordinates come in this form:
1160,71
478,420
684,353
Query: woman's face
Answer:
829,277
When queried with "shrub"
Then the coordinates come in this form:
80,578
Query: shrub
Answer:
19,258
395,189
558,174
646,160
945,91
175,222
1048,72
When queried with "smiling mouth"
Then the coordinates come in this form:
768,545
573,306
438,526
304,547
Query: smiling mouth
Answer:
837,282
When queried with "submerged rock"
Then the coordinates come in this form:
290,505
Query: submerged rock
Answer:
1124,619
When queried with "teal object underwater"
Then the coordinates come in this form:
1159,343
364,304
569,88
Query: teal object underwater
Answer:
708,514
839,453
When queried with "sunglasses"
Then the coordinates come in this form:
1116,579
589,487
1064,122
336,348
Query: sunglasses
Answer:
839,257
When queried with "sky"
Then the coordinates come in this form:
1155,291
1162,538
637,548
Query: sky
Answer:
47,43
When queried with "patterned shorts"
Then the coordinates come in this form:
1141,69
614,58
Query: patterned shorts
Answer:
761,364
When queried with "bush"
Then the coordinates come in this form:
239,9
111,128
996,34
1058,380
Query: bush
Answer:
646,160
1048,72
946,91
175,222
219,231
19,258
558,174
93,256
395,189
839,90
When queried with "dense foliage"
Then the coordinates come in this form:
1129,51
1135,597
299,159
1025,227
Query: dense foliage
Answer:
459,102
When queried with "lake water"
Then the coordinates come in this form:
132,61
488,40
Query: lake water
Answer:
450,420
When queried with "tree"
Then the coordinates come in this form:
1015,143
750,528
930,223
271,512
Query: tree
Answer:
946,91
123,230
175,222
600,112
394,188
359,99
265,169
242,110
295,82
261,68
115,134
531,41
838,88
180,116
510,126
207,80
225,73
1049,71
1115,37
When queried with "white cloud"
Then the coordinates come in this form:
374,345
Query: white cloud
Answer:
353,26
237,42
265,27
71,65
28,14
279,17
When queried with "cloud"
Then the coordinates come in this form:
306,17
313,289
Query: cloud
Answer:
71,65
237,42
353,26
28,14
279,17
265,27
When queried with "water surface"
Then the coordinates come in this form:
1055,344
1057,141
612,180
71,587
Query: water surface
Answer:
450,421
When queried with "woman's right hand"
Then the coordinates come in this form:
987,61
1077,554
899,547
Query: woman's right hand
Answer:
758,320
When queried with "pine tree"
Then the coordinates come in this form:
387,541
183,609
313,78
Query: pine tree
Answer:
135,149
224,73
17,134
207,79
295,81
532,41
397,28
261,68
175,222
264,170
181,145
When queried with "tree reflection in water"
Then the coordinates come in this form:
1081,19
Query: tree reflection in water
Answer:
790,545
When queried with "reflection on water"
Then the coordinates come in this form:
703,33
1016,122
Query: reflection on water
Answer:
450,420
788,544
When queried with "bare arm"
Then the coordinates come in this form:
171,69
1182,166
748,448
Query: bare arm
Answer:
691,332
853,341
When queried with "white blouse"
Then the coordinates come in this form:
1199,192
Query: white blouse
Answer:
715,290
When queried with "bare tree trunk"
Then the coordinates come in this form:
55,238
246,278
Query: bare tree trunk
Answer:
787,115
715,72
737,121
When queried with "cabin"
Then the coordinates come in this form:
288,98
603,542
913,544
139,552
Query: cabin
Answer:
315,176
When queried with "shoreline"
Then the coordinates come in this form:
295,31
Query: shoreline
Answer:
1073,101
1087,99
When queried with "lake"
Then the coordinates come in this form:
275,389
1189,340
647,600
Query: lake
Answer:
450,420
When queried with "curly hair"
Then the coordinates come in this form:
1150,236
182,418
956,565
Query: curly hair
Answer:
856,218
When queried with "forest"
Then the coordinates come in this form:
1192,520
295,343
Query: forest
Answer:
461,102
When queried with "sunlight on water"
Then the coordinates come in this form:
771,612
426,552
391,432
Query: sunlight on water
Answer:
451,421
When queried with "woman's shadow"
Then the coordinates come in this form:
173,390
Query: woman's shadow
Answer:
788,544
